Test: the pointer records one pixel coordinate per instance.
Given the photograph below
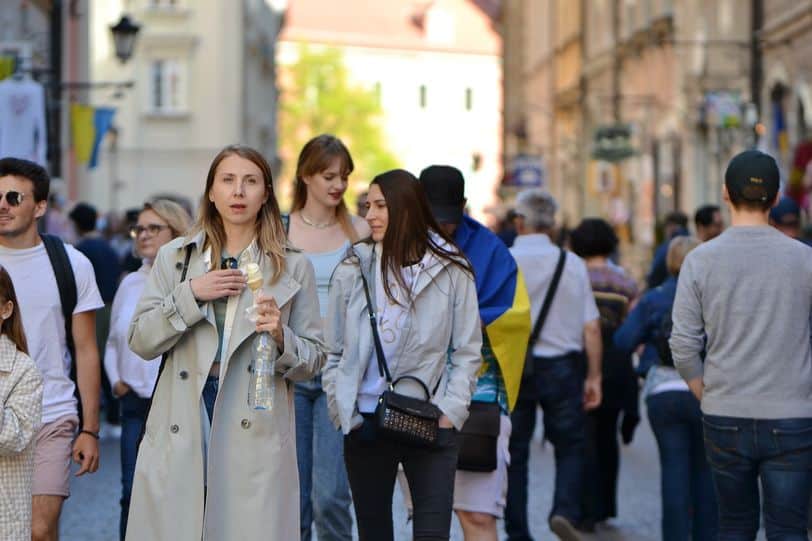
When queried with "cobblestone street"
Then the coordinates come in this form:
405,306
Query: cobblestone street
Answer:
91,514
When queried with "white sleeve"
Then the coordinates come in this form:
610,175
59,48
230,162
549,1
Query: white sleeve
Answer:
88,297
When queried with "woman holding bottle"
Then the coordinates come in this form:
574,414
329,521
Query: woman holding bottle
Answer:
322,227
424,301
132,379
210,466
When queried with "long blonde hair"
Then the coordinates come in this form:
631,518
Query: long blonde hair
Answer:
315,157
270,232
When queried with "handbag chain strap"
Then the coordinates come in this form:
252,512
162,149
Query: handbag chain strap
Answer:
383,370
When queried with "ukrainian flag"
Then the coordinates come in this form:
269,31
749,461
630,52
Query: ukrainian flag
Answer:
504,305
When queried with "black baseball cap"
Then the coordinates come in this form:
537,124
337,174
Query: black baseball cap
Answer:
445,189
753,176
786,212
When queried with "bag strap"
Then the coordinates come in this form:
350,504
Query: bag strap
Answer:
183,272
285,222
66,284
382,368
548,299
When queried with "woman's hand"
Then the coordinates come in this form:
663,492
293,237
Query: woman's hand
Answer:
269,319
218,284
120,389
445,422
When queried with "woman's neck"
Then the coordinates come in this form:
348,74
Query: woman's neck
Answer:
238,238
596,261
317,212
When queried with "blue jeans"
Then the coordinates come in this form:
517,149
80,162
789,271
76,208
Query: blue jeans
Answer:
324,491
686,487
133,416
779,453
559,388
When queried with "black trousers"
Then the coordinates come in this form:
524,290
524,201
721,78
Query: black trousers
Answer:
372,466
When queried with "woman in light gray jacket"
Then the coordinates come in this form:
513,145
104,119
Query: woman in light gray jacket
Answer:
427,317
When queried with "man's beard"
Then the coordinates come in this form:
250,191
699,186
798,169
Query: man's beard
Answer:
24,225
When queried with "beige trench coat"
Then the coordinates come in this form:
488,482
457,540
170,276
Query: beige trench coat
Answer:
251,479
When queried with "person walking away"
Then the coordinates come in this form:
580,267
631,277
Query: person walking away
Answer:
108,271
420,310
504,310
595,241
204,447
565,369
20,415
64,351
755,384
321,226
689,510
133,380
708,222
675,225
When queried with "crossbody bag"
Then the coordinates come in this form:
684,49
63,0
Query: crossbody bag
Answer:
399,417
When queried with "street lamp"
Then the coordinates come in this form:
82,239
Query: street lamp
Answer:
124,33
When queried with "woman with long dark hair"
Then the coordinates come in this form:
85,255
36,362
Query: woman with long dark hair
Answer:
210,465
425,312
322,227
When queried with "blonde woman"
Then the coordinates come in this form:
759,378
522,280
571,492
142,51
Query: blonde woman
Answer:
322,227
132,379
209,466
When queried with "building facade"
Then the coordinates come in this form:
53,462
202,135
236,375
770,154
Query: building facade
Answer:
436,68
204,77
634,105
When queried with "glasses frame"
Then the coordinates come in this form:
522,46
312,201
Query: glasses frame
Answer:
153,229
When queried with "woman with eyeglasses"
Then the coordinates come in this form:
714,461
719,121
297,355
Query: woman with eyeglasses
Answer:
131,378
424,303
211,465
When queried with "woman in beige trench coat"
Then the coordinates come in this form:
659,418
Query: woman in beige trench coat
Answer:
209,466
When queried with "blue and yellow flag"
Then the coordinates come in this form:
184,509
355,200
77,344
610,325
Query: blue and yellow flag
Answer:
504,306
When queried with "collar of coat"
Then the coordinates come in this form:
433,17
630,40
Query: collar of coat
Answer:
8,352
366,254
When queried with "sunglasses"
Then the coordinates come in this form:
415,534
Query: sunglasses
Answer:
136,230
13,198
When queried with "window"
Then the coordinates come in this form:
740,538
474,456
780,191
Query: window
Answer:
164,3
423,96
469,99
167,86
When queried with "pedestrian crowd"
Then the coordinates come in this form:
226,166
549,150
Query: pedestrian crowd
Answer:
279,375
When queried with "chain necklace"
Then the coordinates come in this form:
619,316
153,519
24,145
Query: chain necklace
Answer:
314,224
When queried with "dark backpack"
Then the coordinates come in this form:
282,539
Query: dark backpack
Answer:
66,284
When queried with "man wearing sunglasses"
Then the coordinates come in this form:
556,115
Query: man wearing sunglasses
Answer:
24,189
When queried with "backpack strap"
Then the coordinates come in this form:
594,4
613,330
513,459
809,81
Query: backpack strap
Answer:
66,284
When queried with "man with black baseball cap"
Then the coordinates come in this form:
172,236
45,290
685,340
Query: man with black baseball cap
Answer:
504,310
745,298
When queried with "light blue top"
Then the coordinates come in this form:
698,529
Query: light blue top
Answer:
324,263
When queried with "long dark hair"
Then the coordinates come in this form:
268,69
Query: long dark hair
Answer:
409,232
13,326
270,232
315,157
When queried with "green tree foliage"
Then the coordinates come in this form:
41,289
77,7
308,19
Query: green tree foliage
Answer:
318,97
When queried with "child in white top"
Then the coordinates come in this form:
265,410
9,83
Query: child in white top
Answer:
20,415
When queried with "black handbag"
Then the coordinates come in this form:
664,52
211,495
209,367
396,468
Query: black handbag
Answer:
479,437
398,417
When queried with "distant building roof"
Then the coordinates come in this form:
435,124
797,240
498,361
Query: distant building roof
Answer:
463,26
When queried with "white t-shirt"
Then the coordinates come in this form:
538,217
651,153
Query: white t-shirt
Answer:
35,285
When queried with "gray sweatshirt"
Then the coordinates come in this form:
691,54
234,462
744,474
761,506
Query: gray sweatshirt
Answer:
750,291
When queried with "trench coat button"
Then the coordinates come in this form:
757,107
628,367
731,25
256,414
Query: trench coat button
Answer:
245,423
183,374
174,429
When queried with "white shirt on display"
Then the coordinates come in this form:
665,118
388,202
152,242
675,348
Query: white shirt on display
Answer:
38,296
573,305
22,120
120,362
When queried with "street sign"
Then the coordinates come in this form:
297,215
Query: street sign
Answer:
527,171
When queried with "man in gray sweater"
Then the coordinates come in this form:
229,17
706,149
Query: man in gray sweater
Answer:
745,298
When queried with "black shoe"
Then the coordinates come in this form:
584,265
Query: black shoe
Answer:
563,528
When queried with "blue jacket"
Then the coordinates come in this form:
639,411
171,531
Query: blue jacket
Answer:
643,323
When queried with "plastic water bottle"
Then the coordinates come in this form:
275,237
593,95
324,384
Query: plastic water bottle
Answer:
261,386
